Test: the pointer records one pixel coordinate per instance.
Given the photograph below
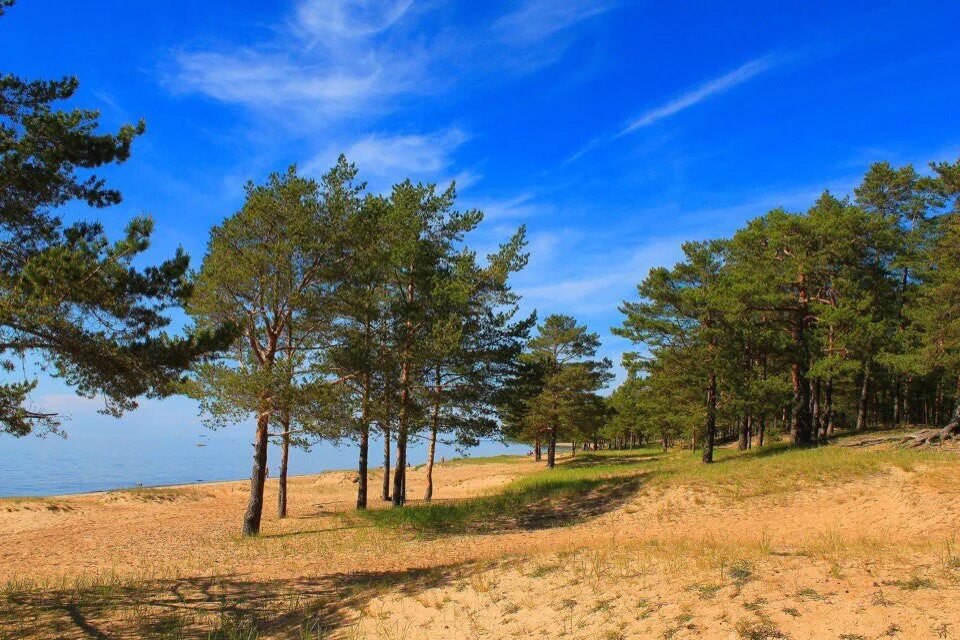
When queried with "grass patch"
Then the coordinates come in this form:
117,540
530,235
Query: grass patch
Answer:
781,468
913,584
566,494
500,459
592,483
531,503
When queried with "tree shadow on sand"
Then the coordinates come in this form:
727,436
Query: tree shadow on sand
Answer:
207,608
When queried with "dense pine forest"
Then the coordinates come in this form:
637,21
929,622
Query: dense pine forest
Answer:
841,317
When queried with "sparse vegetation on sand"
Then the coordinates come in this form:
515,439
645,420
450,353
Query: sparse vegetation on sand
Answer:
845,540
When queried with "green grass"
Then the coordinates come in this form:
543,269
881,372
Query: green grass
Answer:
529,501
556,497
780,468
501,459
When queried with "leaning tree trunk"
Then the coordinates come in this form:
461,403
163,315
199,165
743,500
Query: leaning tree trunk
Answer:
552,448
710,433
258,477
862,406
284,457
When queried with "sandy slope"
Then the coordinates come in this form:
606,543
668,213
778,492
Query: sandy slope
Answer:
868,558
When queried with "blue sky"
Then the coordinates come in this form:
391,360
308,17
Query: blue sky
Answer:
613,129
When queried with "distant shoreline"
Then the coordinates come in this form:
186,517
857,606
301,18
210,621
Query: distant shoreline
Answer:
184,485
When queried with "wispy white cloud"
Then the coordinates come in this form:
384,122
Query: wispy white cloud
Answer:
700,93
384,158
521,207
388,155
267,80
595,284
684,101
337,59
349,18
535,20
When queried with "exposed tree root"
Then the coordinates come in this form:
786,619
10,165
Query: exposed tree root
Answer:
929,437
920,438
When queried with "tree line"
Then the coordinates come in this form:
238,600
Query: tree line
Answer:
840,317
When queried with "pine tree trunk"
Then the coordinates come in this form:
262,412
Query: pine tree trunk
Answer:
537,456
428,494
862,405
710,432
800,419
284,457
906,401
897,403
800,423
762,431
828,408
251,519
952,427
399,476
816,416
434,426
743,439
386,461
552,448
362,464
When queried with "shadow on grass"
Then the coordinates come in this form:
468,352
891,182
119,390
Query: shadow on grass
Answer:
229,607
768,450
588,460
550,499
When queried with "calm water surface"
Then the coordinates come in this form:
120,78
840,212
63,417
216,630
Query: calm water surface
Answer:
116,456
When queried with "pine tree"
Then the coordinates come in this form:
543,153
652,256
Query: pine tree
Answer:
937,308
71,300
423,230
273,269
681,312
565,354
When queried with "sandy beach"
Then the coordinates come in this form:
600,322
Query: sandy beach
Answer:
855,557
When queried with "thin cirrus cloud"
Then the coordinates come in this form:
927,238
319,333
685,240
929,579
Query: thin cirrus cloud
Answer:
706,90
535,20
331,60
337,59
698,94
254,78
393,157
349,18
